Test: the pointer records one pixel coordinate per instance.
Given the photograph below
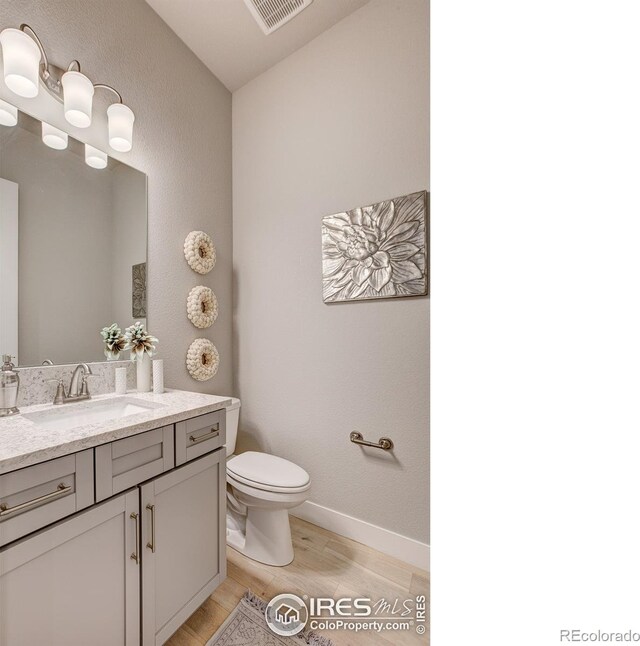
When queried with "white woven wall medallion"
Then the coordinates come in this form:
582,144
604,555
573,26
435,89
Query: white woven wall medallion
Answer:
202,307
200,252
202,360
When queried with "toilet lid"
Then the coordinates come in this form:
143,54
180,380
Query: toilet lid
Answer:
265,469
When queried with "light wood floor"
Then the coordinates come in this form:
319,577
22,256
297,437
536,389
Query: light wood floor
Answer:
325,564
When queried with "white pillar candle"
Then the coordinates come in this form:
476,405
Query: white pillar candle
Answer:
158,376
121,381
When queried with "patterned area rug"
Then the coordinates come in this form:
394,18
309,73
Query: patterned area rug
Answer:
246,626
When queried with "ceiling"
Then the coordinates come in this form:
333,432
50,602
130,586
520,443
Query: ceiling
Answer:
226,38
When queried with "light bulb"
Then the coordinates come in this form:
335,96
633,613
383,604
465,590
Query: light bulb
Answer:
53,137
94,157
78,98
21,58
8,114
121,120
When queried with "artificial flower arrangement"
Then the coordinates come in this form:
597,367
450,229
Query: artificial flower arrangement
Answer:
114,341
139,341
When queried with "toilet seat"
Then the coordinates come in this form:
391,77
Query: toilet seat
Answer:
266,497
267,473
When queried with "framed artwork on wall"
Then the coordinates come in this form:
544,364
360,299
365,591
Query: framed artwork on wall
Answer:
376,251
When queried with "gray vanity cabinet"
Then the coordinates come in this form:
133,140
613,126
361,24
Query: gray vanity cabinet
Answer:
133,567
183,539
75,583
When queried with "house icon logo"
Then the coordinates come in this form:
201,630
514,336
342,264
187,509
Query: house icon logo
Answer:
286,615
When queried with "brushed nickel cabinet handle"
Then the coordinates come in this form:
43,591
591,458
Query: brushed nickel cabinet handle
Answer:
60,491
152,543
134,555
214,432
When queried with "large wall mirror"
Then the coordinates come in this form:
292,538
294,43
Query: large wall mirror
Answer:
73,248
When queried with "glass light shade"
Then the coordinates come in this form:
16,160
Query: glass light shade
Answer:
78,99
94,157
8,114
21,58
121,120
53,137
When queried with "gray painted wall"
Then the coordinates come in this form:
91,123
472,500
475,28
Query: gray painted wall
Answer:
182,141
339,124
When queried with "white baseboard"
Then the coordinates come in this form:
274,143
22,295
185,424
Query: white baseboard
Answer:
401,547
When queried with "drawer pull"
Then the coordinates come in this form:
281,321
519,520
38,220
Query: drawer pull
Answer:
152,543
214,432
134,555
60,491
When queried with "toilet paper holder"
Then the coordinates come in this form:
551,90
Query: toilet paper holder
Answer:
384,443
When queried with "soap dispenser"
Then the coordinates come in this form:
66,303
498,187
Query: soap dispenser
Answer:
9,384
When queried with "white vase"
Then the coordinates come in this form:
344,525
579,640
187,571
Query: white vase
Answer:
143,373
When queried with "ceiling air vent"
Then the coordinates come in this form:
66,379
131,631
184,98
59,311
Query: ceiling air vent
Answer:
272,14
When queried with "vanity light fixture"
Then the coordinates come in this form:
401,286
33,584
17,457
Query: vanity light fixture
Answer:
54,137
21,57
78,98
121,120
26,62
8,114
94,157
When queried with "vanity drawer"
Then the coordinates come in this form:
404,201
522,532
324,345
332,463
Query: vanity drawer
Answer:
126,463
36,496
197,436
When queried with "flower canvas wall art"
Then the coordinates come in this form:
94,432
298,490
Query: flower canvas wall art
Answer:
376,251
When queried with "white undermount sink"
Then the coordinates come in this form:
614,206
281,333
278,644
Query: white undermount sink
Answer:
84,413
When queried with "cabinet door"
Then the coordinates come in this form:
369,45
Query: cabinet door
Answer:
76,582
183,538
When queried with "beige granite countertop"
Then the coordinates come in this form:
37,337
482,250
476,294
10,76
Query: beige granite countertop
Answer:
24,442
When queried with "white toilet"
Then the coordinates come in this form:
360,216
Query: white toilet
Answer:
261,488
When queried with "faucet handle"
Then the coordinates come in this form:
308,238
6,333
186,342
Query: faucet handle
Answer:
61,395
85,385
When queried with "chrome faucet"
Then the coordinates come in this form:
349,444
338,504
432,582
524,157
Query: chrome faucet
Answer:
78,391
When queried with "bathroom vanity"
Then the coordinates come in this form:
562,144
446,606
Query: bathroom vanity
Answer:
112,518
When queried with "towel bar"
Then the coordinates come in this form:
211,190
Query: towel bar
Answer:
383,443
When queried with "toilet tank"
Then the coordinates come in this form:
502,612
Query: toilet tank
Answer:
233,415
